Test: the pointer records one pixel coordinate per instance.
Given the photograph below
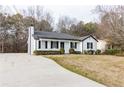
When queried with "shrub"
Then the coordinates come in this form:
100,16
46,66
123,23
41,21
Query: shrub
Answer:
50,52
85,52
97,52
77,52
120,54
90,52
62,51
71,51
111,51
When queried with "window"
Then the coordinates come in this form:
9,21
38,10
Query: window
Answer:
62,44
54,44
89,45
39,44
73,45
46,44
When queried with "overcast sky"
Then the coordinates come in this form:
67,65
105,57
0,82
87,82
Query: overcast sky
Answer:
79,9
80,12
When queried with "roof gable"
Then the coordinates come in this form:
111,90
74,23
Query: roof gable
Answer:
85,37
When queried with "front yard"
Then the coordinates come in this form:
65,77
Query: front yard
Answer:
108,70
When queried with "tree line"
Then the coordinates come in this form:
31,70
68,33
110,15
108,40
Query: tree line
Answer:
14,27
111,26
14,33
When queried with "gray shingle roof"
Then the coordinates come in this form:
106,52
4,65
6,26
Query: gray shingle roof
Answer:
57,35
54,35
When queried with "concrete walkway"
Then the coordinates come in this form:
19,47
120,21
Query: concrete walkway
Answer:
25,70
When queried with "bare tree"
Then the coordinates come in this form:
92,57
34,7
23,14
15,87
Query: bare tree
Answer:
64,24
41,18
4,26
112,24
13,27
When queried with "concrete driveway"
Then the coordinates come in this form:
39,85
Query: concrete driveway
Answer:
25,70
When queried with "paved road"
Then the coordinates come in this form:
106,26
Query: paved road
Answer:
25,70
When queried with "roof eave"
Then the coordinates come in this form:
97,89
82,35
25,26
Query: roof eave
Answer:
37,38
88,37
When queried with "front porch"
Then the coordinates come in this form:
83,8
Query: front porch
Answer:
56,45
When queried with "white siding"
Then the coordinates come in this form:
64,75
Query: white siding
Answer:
92,40
101,45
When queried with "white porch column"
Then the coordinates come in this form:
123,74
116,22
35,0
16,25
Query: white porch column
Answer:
59,44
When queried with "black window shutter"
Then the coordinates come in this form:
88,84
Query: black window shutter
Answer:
57,44
71,45
87,45
45,44
39,44
75,44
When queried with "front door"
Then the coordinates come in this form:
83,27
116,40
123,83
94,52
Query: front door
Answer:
62,45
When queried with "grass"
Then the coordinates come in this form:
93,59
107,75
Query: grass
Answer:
108,70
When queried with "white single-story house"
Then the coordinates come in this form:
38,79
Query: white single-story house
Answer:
45,41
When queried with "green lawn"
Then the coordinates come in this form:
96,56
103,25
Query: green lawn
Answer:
108,70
